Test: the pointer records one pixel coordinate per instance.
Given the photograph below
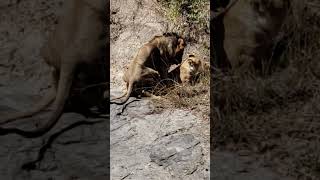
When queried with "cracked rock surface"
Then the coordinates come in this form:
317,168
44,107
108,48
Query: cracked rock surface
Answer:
147,145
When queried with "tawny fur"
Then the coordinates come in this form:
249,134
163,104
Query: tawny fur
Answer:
76,40
245,32
191,67
250,27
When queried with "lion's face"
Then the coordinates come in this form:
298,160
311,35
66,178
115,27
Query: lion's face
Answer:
181,45
192,63
179,50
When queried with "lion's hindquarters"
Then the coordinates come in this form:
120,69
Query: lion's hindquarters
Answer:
152,63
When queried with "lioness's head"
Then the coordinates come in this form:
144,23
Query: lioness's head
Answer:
194,62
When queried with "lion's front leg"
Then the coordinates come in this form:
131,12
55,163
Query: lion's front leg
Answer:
149,72
150,95
163,73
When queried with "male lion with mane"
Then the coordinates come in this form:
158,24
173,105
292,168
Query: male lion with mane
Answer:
152,63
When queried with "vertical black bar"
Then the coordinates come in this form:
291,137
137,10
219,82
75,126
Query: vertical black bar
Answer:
108,80
217,61
212,63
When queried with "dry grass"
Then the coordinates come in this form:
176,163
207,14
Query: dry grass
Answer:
277,115
189,97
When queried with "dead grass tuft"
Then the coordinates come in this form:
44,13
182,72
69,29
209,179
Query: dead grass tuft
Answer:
190,97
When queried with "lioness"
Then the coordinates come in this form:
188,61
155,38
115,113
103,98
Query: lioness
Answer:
77,40
153,61
191,67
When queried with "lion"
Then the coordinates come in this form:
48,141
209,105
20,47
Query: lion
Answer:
246,31
191,68
76,40
152,62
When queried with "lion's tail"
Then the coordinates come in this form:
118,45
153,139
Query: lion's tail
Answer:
123,95
129,91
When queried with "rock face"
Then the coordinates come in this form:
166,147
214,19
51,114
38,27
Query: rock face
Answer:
147,145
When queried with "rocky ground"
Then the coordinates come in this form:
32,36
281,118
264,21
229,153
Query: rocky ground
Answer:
145,144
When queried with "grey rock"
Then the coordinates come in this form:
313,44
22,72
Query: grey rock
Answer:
147,145
179,154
